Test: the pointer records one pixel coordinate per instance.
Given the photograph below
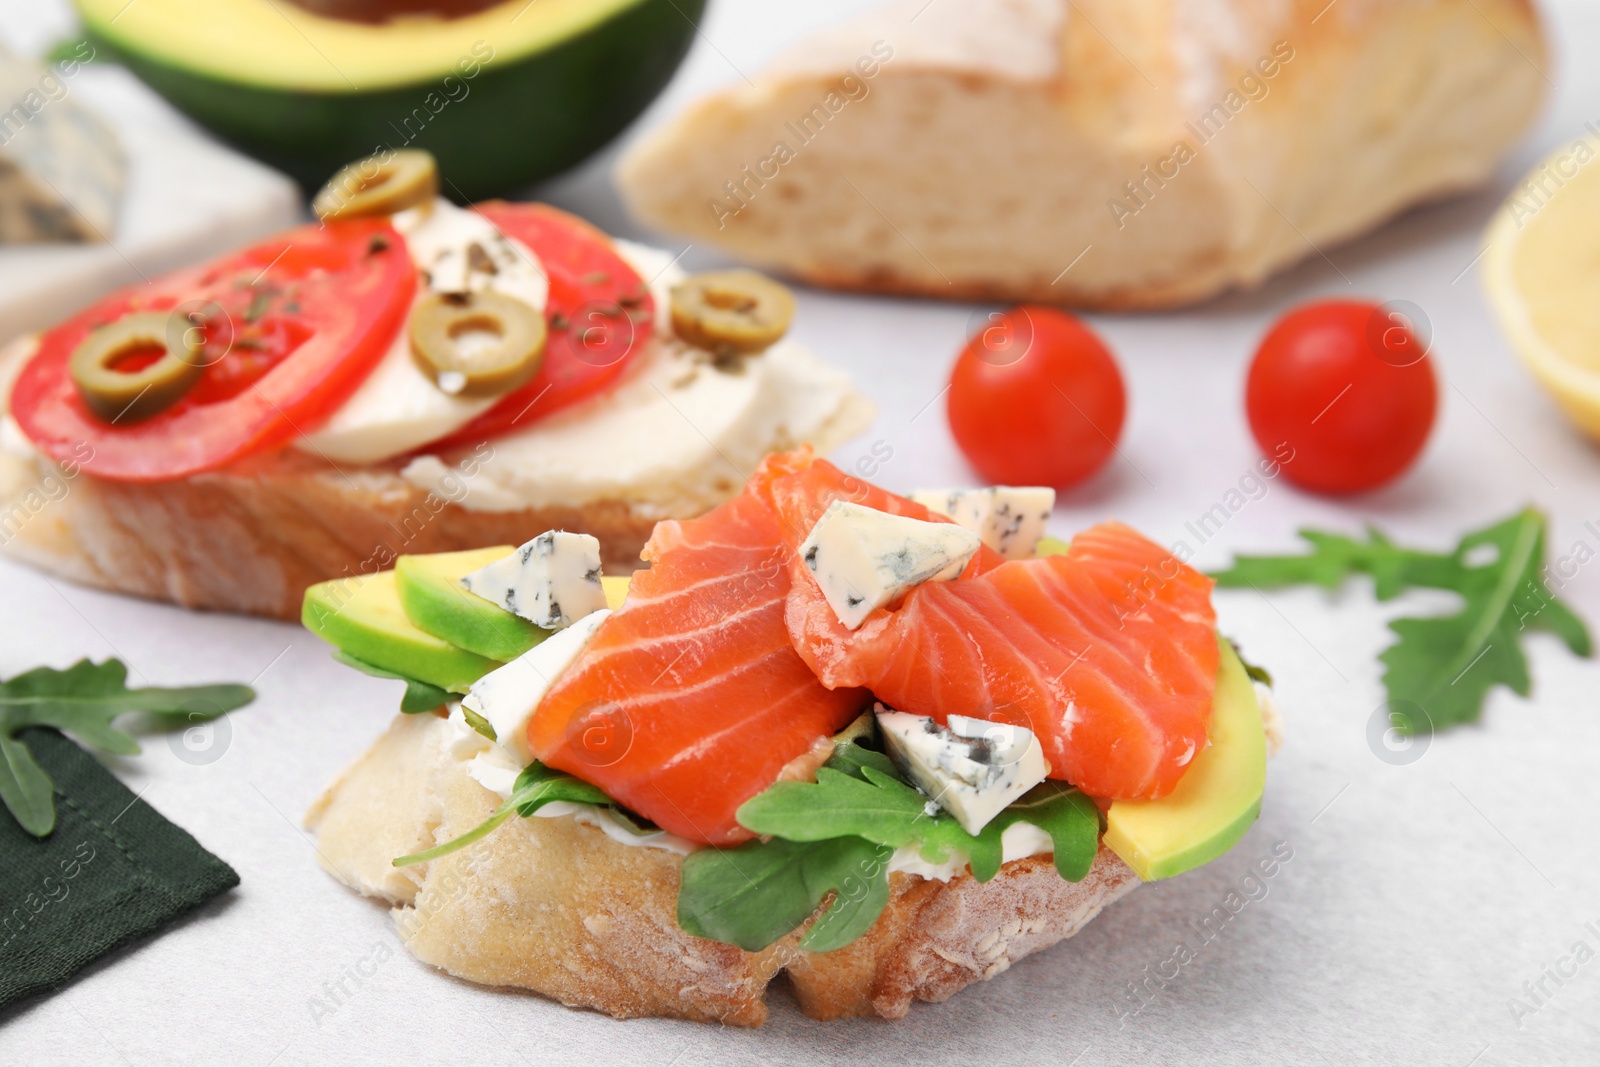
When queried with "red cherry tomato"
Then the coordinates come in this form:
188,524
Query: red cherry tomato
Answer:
290,328
1343,394
600,315
1036,399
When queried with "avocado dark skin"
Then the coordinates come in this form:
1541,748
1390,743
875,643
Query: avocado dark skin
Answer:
518,120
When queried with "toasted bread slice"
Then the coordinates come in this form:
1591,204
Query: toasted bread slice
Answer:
556,906
1102,153
252,536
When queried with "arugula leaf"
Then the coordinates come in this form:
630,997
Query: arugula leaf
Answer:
25,788
419,696
858,792
853,758
874,805
837,835
1071,819
758,892
857,871
84,700
535,787
1445,665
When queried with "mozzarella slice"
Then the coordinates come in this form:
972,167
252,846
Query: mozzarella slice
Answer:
863,558
398,408
971,768
1010,519
552,581
507,696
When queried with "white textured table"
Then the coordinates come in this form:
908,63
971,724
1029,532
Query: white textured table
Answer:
1419,898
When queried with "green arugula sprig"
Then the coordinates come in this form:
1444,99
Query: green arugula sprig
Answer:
861,793
837,835
758,892
418,697
84,701
535,787
1444,665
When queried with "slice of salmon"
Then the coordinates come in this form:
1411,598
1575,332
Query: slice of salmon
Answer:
799,487
1108,653
690,699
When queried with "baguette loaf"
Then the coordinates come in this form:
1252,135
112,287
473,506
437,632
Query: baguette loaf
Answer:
1103,153
557,907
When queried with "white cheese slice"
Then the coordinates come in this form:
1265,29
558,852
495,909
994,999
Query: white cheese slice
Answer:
552,580
440,238
659,270
398,408
508,695
464,741
62,170
971,768
1010,519
495,768
675,434
863,558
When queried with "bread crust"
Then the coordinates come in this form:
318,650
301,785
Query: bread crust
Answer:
557,907
251,538
964,170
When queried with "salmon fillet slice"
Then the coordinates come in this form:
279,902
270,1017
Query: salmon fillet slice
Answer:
1108,653
690,698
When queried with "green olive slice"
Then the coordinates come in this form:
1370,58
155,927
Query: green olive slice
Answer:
379,185
127,396
731,310
504,350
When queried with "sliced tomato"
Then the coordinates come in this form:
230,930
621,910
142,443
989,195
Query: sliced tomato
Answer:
290,328
600,313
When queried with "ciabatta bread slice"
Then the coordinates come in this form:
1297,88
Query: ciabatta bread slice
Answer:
1103,153
556,906
251,537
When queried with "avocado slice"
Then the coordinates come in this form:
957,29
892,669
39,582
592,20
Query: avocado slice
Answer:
616,589
431,594
1215,802
362,618
501,97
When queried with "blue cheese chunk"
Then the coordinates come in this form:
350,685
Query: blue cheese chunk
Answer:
507,696
62,171
1010,519
972,768
552,581
864,559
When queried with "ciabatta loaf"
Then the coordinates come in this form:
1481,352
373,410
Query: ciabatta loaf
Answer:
1103,153
557,907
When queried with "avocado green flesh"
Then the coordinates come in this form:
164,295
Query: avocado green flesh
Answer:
616,589
524,115
431,594
1214,803
363,618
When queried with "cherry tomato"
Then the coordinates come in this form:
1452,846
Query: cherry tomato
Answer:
290,328
600,315
1343,394
1036,399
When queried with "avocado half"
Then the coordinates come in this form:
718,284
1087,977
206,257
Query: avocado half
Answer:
502,98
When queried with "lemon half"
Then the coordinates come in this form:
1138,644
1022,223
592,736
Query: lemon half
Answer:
1541,271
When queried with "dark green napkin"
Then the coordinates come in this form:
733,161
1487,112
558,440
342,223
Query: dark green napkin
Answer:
112,872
